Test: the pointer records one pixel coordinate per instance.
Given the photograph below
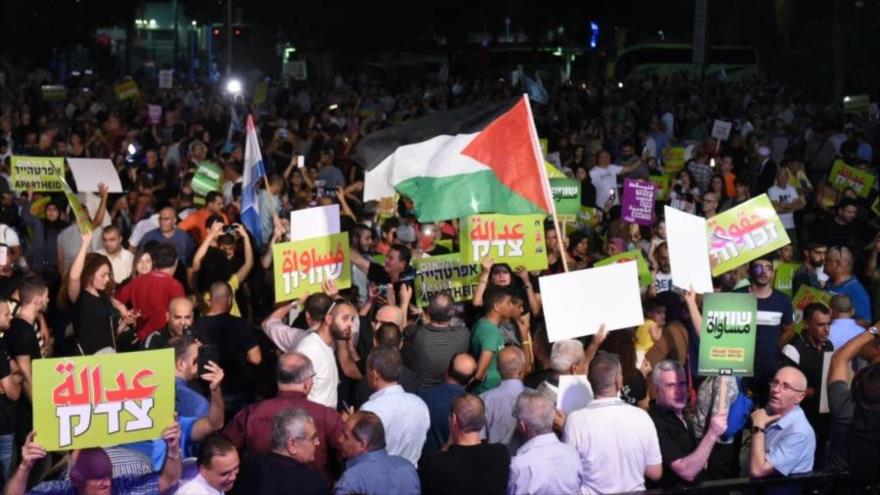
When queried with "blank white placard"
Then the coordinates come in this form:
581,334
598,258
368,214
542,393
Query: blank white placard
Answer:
89,172
688,250
319,221
577,303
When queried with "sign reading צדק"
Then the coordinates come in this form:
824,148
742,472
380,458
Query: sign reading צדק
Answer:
566,197
103,400
844,176
517,240
727,340
744,233
805,296
445,273
300,267
39,172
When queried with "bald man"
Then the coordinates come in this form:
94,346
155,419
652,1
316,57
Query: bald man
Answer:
459,374
500,423
180,320
783,441
170,234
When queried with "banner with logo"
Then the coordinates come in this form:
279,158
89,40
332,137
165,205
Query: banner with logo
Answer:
517,240
744,233
445,273
208,177
566,197
645,277
727,339
844,176
300,267
805,296
39,172
638,201
103,400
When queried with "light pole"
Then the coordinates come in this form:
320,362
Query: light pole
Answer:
228,38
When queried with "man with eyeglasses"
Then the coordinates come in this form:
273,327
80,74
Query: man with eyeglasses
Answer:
169,233
775,325
294,442
782,439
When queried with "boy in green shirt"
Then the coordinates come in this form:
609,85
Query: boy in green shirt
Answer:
487,340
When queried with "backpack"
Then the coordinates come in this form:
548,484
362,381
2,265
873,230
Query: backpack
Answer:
738,414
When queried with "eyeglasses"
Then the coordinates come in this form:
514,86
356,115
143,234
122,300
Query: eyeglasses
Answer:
315,439
788,388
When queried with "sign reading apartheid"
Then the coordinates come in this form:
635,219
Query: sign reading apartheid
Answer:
103,400
517,240
727,340
445,273
645,277
300,267
844,177
567,198
744,233
805,296
39,172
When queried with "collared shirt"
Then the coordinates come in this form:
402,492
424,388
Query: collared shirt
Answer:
439,400
842,330
500,423
122,263
677,440
251,429
406,420
790,443
189,402
544,466
612,436
197,486
860,301
377,473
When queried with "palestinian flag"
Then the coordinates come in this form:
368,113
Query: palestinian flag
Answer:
483,158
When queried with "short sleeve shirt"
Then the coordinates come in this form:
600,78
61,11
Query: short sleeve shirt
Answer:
773,313
21,338
487,337
791,444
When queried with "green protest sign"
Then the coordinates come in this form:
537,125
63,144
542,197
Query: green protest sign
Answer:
53,92
727,340
662,182
741,234
875,206
805,296
857,104
39,172
783,277
80,213
645,277
544,142
588,217
103,400
673,158
517,240
208,177
126,90
300,267
566,197
445,273
843,177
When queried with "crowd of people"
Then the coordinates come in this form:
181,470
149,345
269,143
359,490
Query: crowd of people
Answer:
360,390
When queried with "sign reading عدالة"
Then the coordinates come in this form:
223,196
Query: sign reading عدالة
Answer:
638,201
517,240
741,234
805,296
103,400
445,273
566,197
727,341
783,276
844,177
645,277
300,267
39,172
721,130
673,158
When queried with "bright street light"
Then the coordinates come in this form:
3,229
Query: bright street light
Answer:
233,87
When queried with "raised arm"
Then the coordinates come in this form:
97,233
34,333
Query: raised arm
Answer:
171,468
843,357
690,466
245,269
486,264
213,233
214,420
74,282
690,299
102,208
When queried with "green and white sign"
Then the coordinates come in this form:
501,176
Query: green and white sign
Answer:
38,172
207,178
566,197
727,340
300,267
517,240
784,276
445,273
844,177
741,234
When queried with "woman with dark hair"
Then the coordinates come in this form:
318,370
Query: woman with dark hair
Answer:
635,388
579,249
89,287
500,275
716,185
684,193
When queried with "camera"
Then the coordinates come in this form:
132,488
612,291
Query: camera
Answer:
229,229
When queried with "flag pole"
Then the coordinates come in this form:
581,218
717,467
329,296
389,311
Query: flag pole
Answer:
545,182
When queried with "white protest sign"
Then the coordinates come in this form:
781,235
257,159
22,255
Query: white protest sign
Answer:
688,251
154,113
89,172
823,387
314,222
577,303
721,130
166,79
575,393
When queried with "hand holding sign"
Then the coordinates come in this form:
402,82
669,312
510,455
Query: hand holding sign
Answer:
31,452
718,424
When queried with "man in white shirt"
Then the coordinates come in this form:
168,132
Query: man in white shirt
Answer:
785,201
604,178
617,442
218,468
121,259
405,416
319,346
286,337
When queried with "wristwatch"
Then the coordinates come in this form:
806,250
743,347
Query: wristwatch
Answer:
873,331
758,429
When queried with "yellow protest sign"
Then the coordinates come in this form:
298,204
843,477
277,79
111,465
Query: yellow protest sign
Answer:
103,400
39,172
300,267
126,90
673,158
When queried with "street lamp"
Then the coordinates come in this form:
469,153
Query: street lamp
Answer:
233,87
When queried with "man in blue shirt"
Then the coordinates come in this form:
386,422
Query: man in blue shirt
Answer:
459,375
782,439
839,266
186,368
368,468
